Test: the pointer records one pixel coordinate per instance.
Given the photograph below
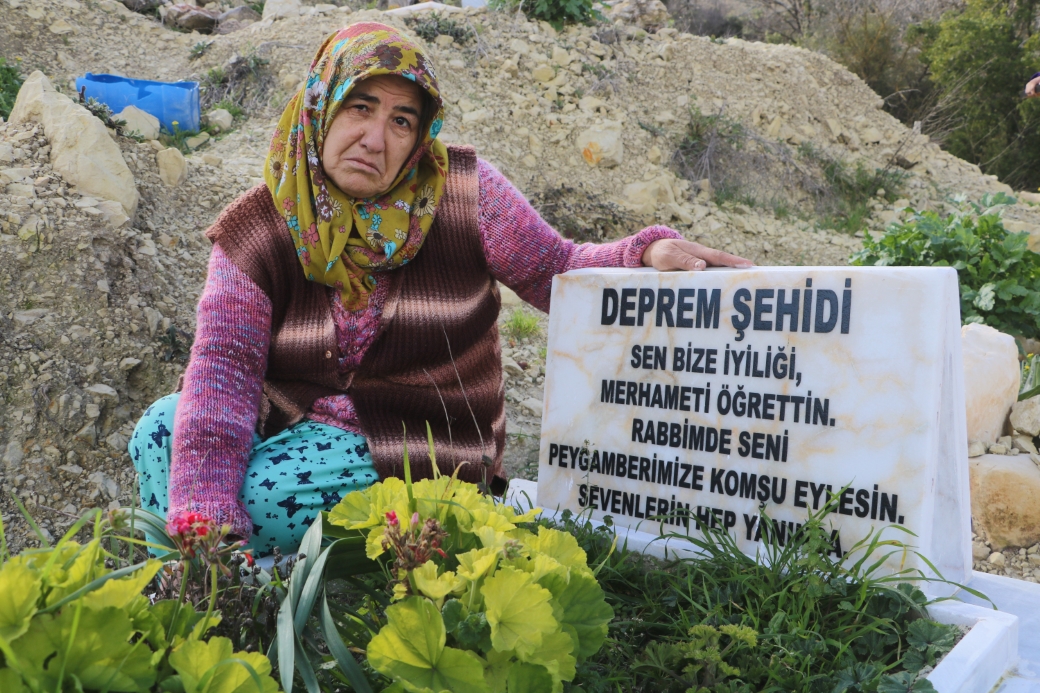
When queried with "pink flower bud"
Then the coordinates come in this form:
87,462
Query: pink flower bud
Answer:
391,518
415,520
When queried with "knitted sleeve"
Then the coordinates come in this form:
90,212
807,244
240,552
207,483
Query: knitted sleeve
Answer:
525,253
216,416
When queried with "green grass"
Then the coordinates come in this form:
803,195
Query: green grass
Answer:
10,83
819,625
520,324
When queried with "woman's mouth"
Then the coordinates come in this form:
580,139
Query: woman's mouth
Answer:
363,165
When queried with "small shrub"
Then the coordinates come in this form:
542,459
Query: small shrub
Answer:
999,276
521,324
102,112
560,12
429,26
10,83
78,618
199,50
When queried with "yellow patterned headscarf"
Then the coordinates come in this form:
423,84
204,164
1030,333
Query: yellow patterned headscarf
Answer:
341,241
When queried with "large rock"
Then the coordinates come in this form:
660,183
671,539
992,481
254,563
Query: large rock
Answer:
173,169
280,9
141,5
1005,499
601,145
220,119
192,18
140,123
81,149
991,380
1025,416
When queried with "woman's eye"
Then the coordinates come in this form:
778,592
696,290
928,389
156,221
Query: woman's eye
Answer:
403,122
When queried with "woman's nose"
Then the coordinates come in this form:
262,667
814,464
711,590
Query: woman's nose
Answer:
372,139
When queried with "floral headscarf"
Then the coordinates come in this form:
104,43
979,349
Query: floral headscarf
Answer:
341,241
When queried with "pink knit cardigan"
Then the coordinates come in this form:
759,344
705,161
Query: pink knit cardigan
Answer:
223,383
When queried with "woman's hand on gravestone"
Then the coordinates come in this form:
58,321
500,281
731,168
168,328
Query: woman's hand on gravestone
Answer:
1033,87
668,254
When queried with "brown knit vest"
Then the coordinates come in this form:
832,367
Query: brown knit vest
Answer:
436,358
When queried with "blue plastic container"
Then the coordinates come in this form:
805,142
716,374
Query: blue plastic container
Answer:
167,101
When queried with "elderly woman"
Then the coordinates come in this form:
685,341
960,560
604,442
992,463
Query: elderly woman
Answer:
353,296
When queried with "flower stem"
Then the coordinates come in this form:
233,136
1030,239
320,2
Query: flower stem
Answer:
180,600
212,598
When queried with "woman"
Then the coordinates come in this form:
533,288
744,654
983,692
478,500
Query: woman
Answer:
353,295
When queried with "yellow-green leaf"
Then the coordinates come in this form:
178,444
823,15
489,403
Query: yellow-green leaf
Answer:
555,654
435,586
119,593
19,594
475,564
518,610
529,678
195,659
410,649
560,545
585,613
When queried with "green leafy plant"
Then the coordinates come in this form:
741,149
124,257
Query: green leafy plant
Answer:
69,621
560,12
429,26
801,618
199,49
999,276
481,603
520,324
10,83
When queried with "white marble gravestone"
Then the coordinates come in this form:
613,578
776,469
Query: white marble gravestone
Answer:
678,395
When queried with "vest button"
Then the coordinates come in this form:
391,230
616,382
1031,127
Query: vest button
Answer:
328,354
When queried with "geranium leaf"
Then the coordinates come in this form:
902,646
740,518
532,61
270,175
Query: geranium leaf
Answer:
518,610
560,545
11,682
214,667
435,586
19,594
410,649
528,678
585,614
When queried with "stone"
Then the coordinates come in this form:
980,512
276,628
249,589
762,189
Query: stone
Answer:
590,104
139,123
532,405
991,380
511,367
105,483
281,9
244,14
543,73
976,448
601,145
897,422
13,454
519,46
648,196
476,116
192,18
998,449
197,141
27,317
560,56
979,551
212,160
81,149
102,390
444,40
112,214
61,27
173,168
998,559
1025,416
129,363
1024,444
1005,499
220,119
870,135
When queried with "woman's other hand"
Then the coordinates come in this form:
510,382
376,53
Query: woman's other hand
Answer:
675,254
1033,87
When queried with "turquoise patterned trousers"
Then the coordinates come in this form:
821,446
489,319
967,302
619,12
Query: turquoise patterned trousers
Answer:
291,477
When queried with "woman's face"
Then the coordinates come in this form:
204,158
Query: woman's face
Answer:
372,135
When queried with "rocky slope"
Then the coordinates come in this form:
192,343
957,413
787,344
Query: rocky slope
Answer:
97,311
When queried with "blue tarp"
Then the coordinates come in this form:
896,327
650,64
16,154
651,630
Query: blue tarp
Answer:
167,101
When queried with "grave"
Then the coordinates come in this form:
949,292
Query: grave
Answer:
836,380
